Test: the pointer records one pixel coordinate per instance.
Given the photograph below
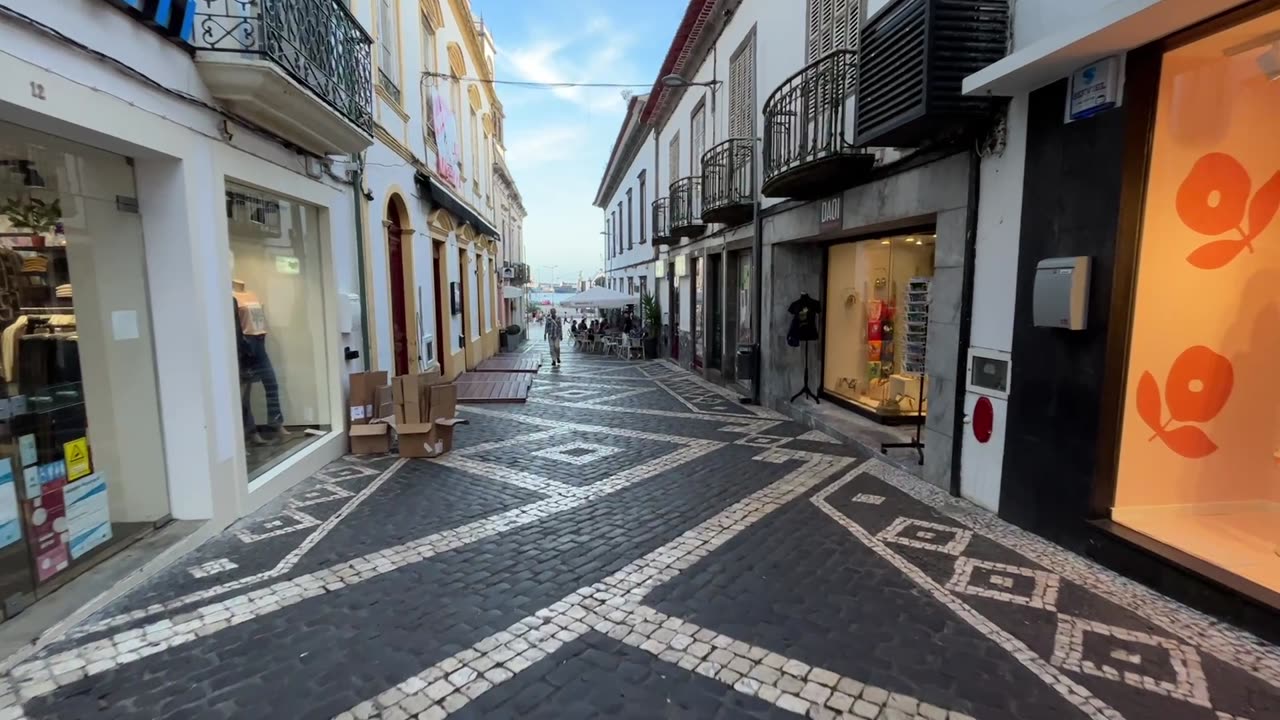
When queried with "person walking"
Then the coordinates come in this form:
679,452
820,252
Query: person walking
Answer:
554,332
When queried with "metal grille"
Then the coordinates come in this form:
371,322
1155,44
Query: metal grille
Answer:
915,55
726,175
804,118
686,203
317,42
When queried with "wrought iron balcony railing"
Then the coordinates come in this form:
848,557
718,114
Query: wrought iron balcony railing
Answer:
686,207
661,221
808,149
316,42
727,183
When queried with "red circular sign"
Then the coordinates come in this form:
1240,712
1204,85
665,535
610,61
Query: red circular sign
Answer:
984,416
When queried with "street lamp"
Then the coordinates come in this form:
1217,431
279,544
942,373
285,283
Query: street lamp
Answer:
675,81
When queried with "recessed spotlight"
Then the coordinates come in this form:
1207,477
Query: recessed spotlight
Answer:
884,242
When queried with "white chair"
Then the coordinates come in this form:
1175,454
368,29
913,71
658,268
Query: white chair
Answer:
631,345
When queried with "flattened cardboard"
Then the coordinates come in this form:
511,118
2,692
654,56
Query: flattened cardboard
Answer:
363,386
371,439
383,402
444,401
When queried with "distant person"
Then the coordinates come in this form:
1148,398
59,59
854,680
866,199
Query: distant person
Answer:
554,332
628,324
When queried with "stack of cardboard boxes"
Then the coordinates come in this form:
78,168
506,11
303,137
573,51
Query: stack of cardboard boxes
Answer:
421,408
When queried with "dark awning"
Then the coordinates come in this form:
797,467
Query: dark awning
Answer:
442,196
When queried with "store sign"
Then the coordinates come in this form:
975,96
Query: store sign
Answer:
88,515
831,214
172,18
1094,88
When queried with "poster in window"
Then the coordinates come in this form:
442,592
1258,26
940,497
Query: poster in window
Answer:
448,154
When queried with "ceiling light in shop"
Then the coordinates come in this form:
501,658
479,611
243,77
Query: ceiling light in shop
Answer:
911,239
884,242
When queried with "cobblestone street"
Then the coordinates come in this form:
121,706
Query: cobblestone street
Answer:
632,542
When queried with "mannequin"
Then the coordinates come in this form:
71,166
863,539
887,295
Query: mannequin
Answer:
804,329
255,365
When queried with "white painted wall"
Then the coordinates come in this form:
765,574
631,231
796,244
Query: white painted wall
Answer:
181,159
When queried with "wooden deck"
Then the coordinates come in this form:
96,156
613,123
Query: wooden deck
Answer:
509,364
494,387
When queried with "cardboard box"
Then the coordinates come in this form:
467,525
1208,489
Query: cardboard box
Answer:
444,431
412,398
444,402
418,440
383,403
371,439
361,395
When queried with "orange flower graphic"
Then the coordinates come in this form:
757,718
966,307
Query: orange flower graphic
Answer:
1214,199
1197,388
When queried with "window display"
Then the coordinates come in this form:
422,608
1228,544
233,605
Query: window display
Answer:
82,472
876,324
278,308
1199,456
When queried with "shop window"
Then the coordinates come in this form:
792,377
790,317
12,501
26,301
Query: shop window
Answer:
1199,452
83,467
277,296
877,324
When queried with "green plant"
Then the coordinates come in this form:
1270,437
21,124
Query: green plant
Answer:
34,214
651,313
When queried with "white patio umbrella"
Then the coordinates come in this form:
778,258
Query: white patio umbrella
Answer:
599,297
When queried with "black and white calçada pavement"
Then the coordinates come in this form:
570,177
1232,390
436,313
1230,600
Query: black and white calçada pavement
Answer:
634,543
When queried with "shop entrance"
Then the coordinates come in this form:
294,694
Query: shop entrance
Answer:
441,280
877,324
673,302
696,329
1198,462
395,271
714,288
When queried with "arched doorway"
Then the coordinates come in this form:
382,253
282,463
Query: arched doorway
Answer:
395,270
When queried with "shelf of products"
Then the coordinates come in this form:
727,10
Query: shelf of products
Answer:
917,325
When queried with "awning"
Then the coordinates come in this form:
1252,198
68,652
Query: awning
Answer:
1112,29
442,196
511,292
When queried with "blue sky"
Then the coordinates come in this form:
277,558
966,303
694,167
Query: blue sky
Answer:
558,141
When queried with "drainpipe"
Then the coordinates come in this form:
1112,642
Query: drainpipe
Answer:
358,184
966,314
757,274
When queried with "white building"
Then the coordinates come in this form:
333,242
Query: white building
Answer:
625,195
434,256
179,232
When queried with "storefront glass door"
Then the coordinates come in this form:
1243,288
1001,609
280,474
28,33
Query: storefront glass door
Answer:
1199,457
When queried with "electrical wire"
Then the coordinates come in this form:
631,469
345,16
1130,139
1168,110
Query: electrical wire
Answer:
533,84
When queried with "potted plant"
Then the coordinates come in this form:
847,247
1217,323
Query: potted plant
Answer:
36,215
651,313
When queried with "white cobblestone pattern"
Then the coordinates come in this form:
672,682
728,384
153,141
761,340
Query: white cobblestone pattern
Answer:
213,567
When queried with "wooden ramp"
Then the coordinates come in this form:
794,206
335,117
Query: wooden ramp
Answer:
509,364
494,387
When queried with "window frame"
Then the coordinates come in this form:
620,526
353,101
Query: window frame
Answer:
642,180
390,83
631,235
430,63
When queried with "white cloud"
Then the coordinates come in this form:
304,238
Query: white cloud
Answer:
596,54
542,145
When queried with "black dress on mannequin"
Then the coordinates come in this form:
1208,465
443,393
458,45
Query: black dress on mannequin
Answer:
804,329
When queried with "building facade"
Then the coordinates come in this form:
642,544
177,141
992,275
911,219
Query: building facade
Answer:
181,281
435,173
808,247
624,197
1141,431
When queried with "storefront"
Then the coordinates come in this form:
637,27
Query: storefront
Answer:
278,299
1148,438
83,472
877,326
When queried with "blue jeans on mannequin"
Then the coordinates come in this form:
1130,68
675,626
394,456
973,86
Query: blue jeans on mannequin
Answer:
256,367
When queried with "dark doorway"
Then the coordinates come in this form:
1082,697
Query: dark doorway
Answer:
696,329
441,280
395,269
715,286
673,302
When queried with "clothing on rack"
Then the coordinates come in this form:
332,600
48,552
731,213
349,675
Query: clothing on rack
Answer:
804,320
9,340
35,264
48,359
63,291
10,280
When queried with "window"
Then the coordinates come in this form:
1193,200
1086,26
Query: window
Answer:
389,49
475,147
631,236
742,81
644,284
644,204
612,229
673,158
455,107
631,285
698,137
832,25
620,227
428,65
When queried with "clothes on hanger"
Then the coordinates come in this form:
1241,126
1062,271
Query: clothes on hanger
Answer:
9,347
804,320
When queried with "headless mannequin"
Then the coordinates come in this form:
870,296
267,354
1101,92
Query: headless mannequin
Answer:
255,366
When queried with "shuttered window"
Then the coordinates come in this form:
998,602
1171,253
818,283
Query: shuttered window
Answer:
631,234
673,158
832,25
698,138
644,204
742,73
389,48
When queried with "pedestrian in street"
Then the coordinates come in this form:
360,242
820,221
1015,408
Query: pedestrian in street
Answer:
554,333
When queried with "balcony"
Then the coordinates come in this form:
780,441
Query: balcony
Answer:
662,222
808,153
686,208
299,68
728,190
915,55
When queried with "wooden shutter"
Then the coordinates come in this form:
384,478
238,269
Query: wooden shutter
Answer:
673,158
814,34
742,91
698,142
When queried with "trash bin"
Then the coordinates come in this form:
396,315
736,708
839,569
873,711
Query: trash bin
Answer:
745,362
